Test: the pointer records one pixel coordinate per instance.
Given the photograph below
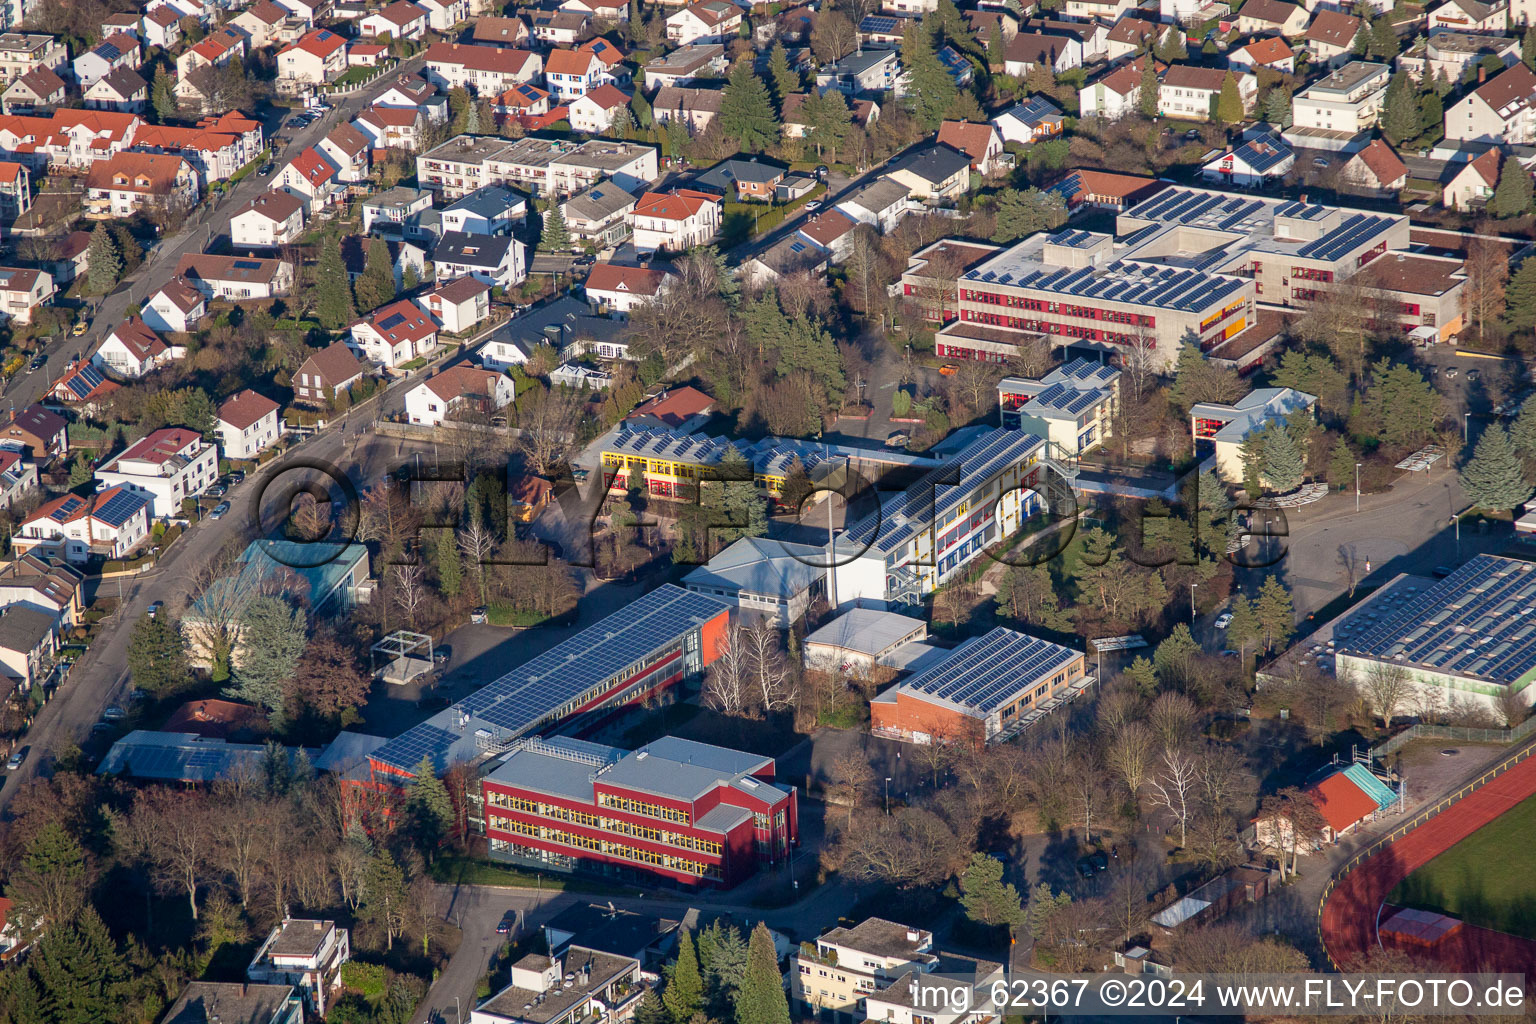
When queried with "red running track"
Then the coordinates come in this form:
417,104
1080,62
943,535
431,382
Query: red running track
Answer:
1349,916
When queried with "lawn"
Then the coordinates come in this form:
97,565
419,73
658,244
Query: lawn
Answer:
1487,879
470,871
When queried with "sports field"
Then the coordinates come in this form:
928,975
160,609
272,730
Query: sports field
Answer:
1487,879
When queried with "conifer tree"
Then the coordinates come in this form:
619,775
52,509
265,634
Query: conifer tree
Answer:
1148,97
554,236
1400,111
1275,613
48,886
995,47
931,88
105,262
375,287
1341,464
1277,107
1494,477
1520,297
684,994
1528,48
450,571
1229,103
1243,631
1284,461
384,897
781,77
333,295
1512,197
761,999
163,96
428,807
746,111
1522,433
80,972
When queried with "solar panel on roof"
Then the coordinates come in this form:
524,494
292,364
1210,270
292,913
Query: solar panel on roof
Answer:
119,507
247,265
392,321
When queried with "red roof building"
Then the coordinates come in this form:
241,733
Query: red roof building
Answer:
674,409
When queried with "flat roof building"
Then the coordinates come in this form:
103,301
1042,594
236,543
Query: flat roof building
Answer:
860,639
1222,428
1073,406
774,579
645,647
988,689
689,812
850,963
583,984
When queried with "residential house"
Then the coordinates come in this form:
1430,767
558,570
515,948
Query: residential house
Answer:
522,101
21,52
413,92
1116,93
316,58
350,151
38,91
175,307
401,19
571,73
247,424
1376,169
72,258
494,31
271,219
445,15
110,523
873,71
1485,16
28,641
458,391
831,231
403,256
18,475
1272,17
83,387
491,210
674,221
1133,35
161,27
1501,110
1473,185
1029,50
15,190
311,177
706,21
686,65
835,974
391,127
22,292
1271,53
612,288
882,204
745,180
1030,121
48,585
498,260
236,1003
696,108
487,70
1330,39
236,277
933,172
262,21
306,954
1266,157
558,28
458,305
117,51
326,374
594,111
215,156
251,140
615,70
123,89
1448,55
1191,92
366,55
982,143
399,206
165,468
600,215
39,432
1339,106
132,349
201,60
599,10
393,335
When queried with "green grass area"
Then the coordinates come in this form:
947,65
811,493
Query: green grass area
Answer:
352,76
469,871
1488,879
499,613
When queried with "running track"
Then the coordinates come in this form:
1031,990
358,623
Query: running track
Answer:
1349,916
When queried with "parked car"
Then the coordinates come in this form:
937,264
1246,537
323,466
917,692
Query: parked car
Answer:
113,714
1474,374
948,369
507,923
154,608
237,477
814,204
219,510
266,169
217,491
37,363
479,615
17,759
1223,620
80,328
1451,372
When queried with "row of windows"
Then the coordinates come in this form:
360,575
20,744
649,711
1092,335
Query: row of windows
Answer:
657,835
624,803
518,803
1065,309
602,846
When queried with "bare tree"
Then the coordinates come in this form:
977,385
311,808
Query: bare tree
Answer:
1085,787
1174,785
833,35
863,266
1172,717
1386,688
237,832
1138,361
851,778
1512,707
476,545
773,688
408,590
547,424
212,625
1130,755
1487,269
1128,894
1225,780
727,687
175,829
1292,821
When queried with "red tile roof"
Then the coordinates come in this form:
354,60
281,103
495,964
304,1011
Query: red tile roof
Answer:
968,137
608,97
1187,76
1384,163
1342,802
1269,50
406,322
321,42
679,205
138,339
828,226
313,167
611,277
137,172
335,364
1333,28
570,62
243,408
459,381
498,59
676,406
163,444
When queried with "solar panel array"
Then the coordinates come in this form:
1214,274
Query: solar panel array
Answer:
1347,236
926,501
1067,399
695,449
1121,281
536,691
1479,622
1073,239
1262,154
85,380
992,670
881,23
392,321
1085,370
120,507
67,508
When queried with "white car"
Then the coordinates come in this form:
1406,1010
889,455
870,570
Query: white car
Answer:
1223,620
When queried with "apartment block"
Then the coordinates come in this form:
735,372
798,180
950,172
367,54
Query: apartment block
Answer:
848,964
1073,407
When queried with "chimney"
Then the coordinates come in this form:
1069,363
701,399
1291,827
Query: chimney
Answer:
1229,148
1482,74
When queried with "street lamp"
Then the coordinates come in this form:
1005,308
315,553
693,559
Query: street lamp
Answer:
1456,522
1466,427
887,795
1192,587
1357,487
